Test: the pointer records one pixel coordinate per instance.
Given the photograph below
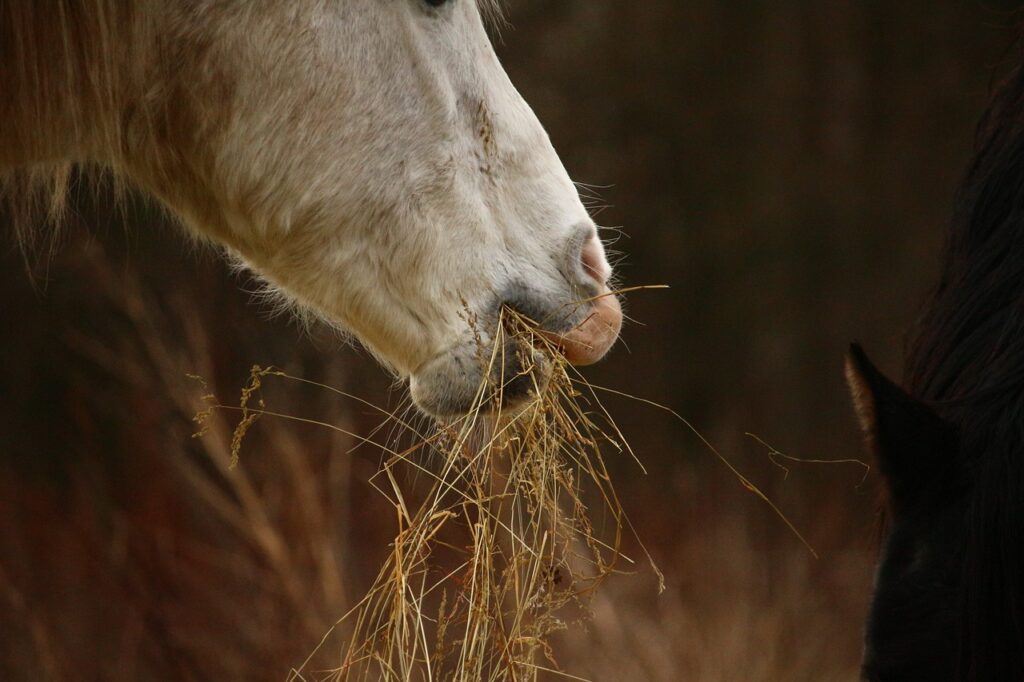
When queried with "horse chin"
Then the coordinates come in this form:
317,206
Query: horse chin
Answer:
465,380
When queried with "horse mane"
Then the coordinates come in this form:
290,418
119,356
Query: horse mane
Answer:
61,61
966,358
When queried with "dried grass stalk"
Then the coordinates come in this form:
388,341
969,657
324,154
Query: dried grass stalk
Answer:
498,550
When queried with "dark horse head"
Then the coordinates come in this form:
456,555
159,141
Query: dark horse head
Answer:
949,595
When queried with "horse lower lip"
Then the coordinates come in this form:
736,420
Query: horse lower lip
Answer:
591,340
449,385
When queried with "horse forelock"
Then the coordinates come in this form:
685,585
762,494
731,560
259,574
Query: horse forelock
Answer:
492,11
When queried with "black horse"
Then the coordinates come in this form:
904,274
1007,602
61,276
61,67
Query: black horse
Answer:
949,596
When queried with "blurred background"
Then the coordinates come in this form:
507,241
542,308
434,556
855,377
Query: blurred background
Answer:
787,167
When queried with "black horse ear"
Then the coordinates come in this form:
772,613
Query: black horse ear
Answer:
914,447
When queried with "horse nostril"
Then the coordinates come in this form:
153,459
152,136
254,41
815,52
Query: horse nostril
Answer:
594,262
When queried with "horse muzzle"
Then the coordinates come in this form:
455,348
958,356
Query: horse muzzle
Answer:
582,319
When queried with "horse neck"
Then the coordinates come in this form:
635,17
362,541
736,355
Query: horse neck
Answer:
967,358
65,70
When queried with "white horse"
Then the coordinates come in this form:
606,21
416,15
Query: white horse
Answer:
369,159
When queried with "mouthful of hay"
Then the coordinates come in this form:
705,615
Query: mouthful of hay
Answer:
495,549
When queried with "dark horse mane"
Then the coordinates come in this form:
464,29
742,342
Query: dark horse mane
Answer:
966,359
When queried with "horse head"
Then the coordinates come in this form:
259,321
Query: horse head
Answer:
369,160
913,629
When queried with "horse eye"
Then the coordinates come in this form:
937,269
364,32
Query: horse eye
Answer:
437,3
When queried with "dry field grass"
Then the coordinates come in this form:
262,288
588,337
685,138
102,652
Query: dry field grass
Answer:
162,563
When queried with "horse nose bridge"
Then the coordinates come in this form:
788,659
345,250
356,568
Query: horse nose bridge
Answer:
506,134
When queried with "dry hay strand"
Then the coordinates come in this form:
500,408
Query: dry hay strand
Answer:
496,549
484,566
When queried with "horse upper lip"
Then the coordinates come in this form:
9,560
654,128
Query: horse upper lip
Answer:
590,339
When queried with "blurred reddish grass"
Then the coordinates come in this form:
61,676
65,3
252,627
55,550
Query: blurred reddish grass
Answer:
138,555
